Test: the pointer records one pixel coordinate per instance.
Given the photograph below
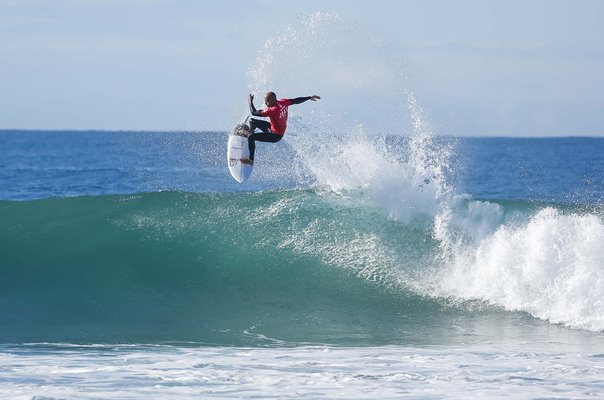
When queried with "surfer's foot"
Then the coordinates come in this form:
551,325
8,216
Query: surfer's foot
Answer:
246,161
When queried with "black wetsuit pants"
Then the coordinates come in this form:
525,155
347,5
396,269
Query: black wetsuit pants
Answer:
264,136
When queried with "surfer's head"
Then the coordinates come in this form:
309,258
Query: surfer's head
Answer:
270,99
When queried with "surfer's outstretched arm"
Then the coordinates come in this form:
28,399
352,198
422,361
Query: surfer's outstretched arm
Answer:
253,110
299,100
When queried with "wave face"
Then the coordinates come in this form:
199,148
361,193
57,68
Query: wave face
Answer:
299,266
199,267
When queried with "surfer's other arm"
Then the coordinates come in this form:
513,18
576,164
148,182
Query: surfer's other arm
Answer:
299,100
253,110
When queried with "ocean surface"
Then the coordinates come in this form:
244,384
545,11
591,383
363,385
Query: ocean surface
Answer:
350,265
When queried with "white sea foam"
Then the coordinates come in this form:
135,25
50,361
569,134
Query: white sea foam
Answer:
551,265
137,372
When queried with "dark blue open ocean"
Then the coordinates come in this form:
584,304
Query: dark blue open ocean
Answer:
133,266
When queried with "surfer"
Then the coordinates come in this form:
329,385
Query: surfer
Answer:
274,130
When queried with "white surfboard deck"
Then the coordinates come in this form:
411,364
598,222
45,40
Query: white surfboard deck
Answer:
237,148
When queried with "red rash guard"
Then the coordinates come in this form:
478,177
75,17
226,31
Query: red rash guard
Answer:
278,115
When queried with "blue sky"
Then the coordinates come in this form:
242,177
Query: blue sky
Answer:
519,68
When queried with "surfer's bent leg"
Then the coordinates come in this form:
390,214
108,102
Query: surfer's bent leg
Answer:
261,137
264,126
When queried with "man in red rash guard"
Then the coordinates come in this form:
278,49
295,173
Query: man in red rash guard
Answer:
274,130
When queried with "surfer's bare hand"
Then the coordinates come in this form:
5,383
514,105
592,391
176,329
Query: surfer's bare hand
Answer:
314,98
251,97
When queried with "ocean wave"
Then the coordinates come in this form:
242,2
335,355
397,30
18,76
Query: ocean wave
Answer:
291,265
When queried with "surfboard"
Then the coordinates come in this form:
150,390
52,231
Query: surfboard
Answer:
237,149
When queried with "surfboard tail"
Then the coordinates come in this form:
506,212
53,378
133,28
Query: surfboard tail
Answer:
237,152
242,130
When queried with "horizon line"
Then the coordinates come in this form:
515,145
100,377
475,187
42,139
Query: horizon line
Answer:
137,131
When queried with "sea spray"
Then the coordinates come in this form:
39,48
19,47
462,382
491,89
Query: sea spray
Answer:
346,65
340,142
300,40
482,250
